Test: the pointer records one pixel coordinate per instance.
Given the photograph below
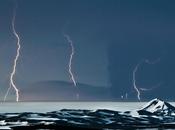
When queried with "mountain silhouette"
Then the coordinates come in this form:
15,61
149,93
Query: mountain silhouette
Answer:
63,91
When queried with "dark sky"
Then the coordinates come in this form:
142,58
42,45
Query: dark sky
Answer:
110,38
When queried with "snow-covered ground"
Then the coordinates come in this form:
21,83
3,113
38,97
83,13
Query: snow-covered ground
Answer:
154,114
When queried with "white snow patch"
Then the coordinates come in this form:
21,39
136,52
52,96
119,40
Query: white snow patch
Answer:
43,119
5,128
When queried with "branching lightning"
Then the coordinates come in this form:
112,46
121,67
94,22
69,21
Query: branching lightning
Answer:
71,58
134,77
12,82
152,88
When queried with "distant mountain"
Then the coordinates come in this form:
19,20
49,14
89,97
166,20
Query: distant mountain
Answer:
63,91
158,107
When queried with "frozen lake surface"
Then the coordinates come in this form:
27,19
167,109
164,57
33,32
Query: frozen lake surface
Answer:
11,107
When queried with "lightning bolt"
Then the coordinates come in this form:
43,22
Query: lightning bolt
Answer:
71,58
12,82
134,80
70,61
134,77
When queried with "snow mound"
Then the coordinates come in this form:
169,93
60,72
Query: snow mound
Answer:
159,107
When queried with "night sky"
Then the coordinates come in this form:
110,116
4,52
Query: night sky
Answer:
110,38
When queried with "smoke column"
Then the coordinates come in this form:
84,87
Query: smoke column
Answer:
12,82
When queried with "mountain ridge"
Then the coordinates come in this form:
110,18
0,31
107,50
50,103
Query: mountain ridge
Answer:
55,90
